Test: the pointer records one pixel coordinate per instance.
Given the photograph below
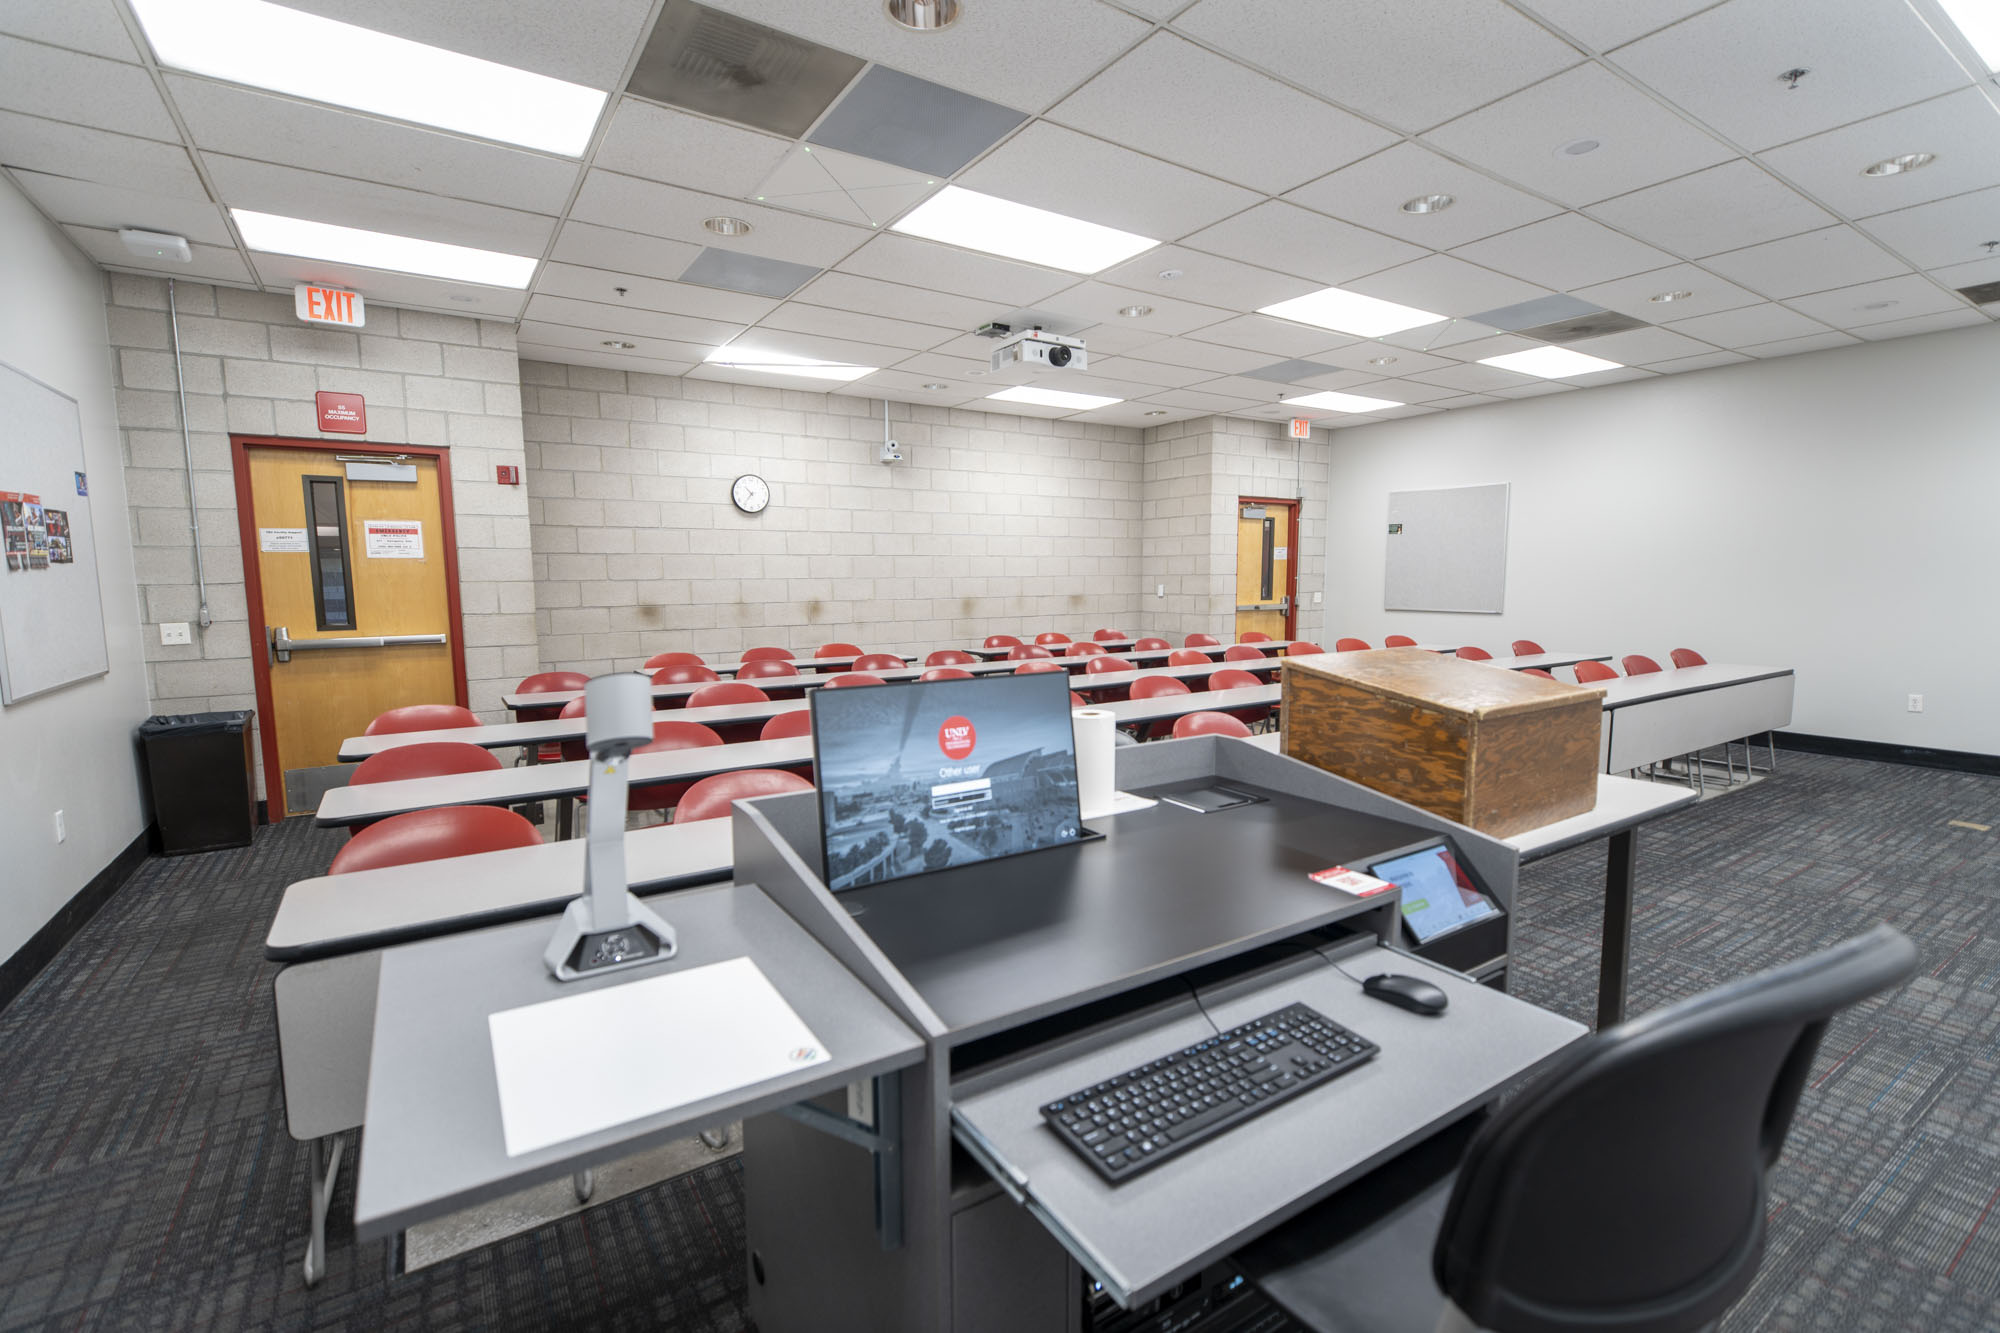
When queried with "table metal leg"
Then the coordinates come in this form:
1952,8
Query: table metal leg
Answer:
1620,868
584,1183
325,1172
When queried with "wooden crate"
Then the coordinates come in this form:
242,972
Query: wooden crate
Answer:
1497,750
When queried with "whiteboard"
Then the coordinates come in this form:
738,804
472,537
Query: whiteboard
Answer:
51,608
1447,550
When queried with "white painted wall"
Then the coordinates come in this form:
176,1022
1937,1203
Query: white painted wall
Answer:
71,749
1837,512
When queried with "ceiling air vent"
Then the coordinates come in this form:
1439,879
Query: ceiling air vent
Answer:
1981,293
721,65
1583,326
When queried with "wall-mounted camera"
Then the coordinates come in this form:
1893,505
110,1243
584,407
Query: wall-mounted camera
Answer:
892,452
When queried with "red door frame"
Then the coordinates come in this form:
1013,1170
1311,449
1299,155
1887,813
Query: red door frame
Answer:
253,577
1291,562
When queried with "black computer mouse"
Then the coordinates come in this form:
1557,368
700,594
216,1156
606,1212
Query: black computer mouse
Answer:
1419,997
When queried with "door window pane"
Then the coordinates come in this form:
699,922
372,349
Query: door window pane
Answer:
326,530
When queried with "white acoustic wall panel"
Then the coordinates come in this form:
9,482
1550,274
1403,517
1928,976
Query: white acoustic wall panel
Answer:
1447,550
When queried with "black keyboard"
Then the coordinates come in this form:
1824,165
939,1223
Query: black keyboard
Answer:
1142,1117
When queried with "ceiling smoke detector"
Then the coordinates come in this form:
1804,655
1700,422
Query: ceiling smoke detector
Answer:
1428,203
923,15
1897,165
726,226
1578,147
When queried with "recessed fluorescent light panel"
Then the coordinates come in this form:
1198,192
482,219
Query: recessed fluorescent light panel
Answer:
1003,227
1342,402
1350,312
1550,363
303,55
1979,23
783,363
1076,402
375,249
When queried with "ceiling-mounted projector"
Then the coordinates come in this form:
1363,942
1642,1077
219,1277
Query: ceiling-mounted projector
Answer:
1038,351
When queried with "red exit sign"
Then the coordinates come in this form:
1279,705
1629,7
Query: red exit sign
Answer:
329,305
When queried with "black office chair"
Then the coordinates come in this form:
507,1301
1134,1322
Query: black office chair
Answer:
1623,1192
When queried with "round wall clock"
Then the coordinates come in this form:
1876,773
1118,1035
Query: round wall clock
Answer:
751,493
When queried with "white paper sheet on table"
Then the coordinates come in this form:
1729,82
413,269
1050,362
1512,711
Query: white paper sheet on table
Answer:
582,1063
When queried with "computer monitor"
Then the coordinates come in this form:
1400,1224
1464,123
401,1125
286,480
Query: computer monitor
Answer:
914,777
1440,895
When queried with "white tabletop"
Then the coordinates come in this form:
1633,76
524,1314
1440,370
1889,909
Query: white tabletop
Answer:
1621,804
1195,701
500,735
1682,680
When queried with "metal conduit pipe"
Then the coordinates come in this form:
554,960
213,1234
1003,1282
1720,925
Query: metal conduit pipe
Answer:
187,449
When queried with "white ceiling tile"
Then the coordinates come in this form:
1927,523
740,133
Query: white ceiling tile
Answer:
1118,339
658,143
108,207
62,85
222,118
1521,138
820,346
843,186
1818,342
1297,240
946,268
592,341
933,365
1813,262
1478,349
1947,231
1602,26
601,358
1863,57
1401,360
1407,390
1961,318
1564,253
904,386
588,245
1203,401
214,263
1206,279
894,300
1642,347
1140,414
1749,325
398,289
626,202
1619,376
584,41
1023,54
1199,356
796,317
1183,104
643,293
1277,338
1632,296
90,26
1372,192
1970,275
1457,401
1723,208
1246,386
62,149
1159,373
1408,63
1540,389
266,187
1099,303
1878,302
1706,361
627,320
1445,338
1472,378
1961,128
1051,167
1345,380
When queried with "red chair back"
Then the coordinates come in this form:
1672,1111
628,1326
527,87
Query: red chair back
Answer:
1030,668
684,673
1106,635
1002,641
1536,671
1077,701
839,650
432,835
430,759
1202,641
950,657
1242,652
847,680
1527,648
1022,652
1187,657
766,654
1302,648
573,749
1638,664
1471,654
669,736
878,662
1208,724
1085,648
1233,678
674,659
726,692
1399,641
711,797
1152,687
1100,666
1687,657
1151,646
1254,637
766,668
1589,673
547,682
421,717
798,722
946,673
1051,636
1350,645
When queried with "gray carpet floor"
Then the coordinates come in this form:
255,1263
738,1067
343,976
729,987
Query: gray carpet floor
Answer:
147,1181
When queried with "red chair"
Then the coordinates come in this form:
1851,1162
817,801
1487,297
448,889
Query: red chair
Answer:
1022,652
1242,652
1687,657
847,680
432,835
1527,648
430,759
1155,687
798,722
1208,724
1106,635
682,673
1302,648
1077,701
947,673
1233,678
673,659
1638,664
1350,645
1151,646
1399,641
767,654
667,736
725,692
1472,654
766,668
1589,673
421,717
839,650
1108,666
1203,641
712,797
1188,657
1085,648
1051,636
878,662
1537,671
1254,637
1030,668
951,657
544,682
1002,641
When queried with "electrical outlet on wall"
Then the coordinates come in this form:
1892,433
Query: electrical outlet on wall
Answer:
175,632
1162,591
1318,597
62,829
1916,703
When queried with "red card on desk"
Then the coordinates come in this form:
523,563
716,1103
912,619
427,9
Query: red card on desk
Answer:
1352,881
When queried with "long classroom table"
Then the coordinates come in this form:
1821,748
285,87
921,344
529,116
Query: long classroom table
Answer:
1662,715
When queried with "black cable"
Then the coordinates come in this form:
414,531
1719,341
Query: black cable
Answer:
1204,1008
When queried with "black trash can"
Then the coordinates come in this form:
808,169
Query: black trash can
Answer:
199,770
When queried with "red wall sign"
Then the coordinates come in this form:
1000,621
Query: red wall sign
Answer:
345,412
956,737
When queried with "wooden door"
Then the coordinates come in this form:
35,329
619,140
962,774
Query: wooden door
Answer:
1265,565
348,547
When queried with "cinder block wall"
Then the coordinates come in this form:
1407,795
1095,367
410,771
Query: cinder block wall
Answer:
992,524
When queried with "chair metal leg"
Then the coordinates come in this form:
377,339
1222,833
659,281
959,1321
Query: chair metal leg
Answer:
584,1183
325,1171
716,1138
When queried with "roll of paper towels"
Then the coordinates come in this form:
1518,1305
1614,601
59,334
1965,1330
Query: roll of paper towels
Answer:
1096,761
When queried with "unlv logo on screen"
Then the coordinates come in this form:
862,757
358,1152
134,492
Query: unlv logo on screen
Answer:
956,737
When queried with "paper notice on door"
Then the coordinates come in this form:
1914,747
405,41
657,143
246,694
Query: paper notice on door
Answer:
281,540
569,1067
393,538
1281,553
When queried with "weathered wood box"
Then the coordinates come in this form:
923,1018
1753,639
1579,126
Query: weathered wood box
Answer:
1497,750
